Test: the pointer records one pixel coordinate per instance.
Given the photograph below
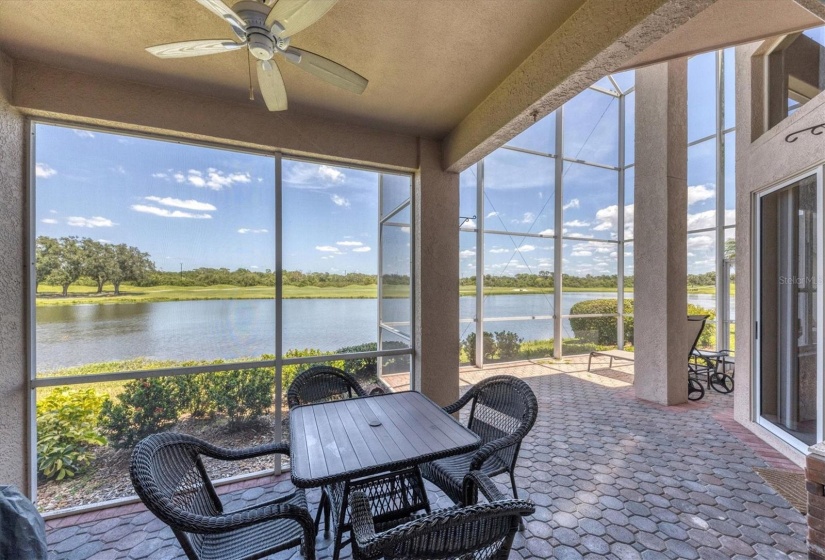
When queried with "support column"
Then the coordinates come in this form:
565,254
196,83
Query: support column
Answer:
660,234
13,320
436,277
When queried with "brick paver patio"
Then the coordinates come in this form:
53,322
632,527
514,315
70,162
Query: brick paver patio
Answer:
611,476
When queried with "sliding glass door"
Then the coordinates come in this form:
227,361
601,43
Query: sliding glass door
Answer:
789,310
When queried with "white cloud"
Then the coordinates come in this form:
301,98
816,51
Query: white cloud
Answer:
331,174
528,218
212,178
49,221
499,250
327,257
576,223
547,232
469,224
349,243
44,171
492,214
608,218
190,204
165,213
701,220
581,253
97,221
119,169
466,254
83,133
249,230
327,249
362,250
572,204
339,200
526,248
699,193
699,242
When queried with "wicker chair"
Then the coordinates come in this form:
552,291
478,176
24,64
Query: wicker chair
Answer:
483,531
321,384
504,409
169,476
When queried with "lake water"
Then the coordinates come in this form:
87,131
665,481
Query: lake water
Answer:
201,330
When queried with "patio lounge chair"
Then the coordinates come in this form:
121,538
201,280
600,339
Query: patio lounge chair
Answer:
481,531
696,324
504,409
169,476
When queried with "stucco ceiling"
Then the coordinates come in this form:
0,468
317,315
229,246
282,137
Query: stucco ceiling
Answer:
429,62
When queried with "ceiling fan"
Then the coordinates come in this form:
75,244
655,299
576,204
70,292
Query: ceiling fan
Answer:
266,31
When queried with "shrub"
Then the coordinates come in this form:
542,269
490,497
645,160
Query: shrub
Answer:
365,366
290,372
242,394
146,406
67,428
194,395
508,344
469,347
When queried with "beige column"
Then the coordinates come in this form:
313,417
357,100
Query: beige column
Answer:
660,229
13,396
436,277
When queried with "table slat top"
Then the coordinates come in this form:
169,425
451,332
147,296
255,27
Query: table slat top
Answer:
351,438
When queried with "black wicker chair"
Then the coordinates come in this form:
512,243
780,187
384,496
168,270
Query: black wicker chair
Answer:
484,531
504,409
321,384
169,476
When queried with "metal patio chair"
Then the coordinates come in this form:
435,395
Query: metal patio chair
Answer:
169,476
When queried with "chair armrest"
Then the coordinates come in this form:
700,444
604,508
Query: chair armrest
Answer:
487,450
460,403
477,480
363,526
192,523
225,454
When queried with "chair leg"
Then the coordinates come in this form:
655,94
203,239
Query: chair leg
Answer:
515,497
327,509
320,510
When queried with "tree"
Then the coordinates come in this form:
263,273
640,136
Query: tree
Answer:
68,265
730,250
46,258
98,261
130,265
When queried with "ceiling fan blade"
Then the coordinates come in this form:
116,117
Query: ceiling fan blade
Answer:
223,11
327,70
272,85
297,15
186,49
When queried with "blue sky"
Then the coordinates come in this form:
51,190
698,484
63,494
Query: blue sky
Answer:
195,206
200,206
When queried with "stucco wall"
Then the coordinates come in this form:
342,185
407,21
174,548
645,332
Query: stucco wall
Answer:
761,163
12,287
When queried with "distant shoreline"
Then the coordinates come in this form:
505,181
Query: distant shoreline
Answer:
49,296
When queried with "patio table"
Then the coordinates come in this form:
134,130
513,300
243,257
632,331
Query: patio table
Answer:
342,443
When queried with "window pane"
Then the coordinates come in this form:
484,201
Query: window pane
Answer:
630,128
701,268
165,251
729,56
701,96
702,185
395,372
629,204
518,276
396,312
591,196
508,340
395,190
330,229
730,178
628,284
540,137
591,128
626,80
468,187
518,192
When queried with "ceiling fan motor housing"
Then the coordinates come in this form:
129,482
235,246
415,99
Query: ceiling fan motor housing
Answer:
259,39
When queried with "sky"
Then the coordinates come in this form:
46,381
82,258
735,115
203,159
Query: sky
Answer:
191,206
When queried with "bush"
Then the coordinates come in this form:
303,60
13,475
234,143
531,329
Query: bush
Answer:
502,345
469,347
67,428
602,330
242,394
290,372
146,406
364,366
193,394
508,344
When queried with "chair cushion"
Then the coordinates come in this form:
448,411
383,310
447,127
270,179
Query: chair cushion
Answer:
448,474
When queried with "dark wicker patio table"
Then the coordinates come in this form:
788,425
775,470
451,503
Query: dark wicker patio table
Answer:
374,444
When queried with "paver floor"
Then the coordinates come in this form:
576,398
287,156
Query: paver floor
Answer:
611,476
